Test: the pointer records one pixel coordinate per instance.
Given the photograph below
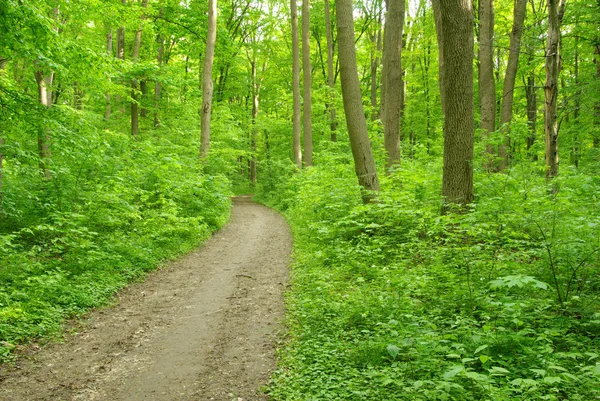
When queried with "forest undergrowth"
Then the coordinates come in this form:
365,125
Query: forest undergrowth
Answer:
113,209
394,301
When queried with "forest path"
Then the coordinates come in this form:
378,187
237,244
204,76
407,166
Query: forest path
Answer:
201,328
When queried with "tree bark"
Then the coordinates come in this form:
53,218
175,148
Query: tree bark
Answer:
556,10
207,81
330,76
487,84
375,61
135,83
531,99
510,77
297,149
392,79
437,16
457,34
307,84
364,163
157,86
596,136
2,138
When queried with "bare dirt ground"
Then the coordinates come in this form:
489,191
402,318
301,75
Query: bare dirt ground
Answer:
202,328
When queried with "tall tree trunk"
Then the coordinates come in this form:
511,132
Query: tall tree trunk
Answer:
157,86
137,43
375,61
576,137
364,163
392,79
307,84
457,34
45,80
437,16
2,138
330,76
510,77
207,81
556,9
144,95
120,55
487,84
531,99
109,50
296,84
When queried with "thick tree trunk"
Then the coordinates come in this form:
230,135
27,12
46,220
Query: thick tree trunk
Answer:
510,78
392,79
330,76
487,84
457,34
437,16
207,81
297,149
109,50
307,84
556,10
364,163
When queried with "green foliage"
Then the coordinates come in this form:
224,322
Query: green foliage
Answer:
391,301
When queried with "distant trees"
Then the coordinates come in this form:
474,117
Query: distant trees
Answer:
207,81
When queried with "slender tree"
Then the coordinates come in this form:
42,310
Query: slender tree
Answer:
109,51
596,135
392,78
160,39
510,78
135,85
556,9
307,85
487,84
330,75
457,38
364,163
207,82
437,16
2,138
296,84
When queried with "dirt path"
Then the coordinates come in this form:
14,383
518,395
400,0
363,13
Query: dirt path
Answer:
202,328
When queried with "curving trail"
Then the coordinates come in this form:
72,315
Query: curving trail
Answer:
202,328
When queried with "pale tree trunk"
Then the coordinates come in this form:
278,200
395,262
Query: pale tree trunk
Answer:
487,84
437,16
121,55
307,84
207,81
157,86
364,163
457,34
296,84
330,76
44,80
576,137
135,83
392,79
109,49
556,9
510,77
375,61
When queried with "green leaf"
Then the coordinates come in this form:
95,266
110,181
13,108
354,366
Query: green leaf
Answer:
393,350
453,371
479,349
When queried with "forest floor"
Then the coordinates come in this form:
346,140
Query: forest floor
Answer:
202,328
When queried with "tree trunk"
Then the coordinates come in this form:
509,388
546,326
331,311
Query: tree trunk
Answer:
109,49
556,10
207,81
531,99
457,34
296,84
159,59
135,83
144,95
392,79
364,163
330,76
487,84
510,78
2,139
375,61
307,84
437,16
